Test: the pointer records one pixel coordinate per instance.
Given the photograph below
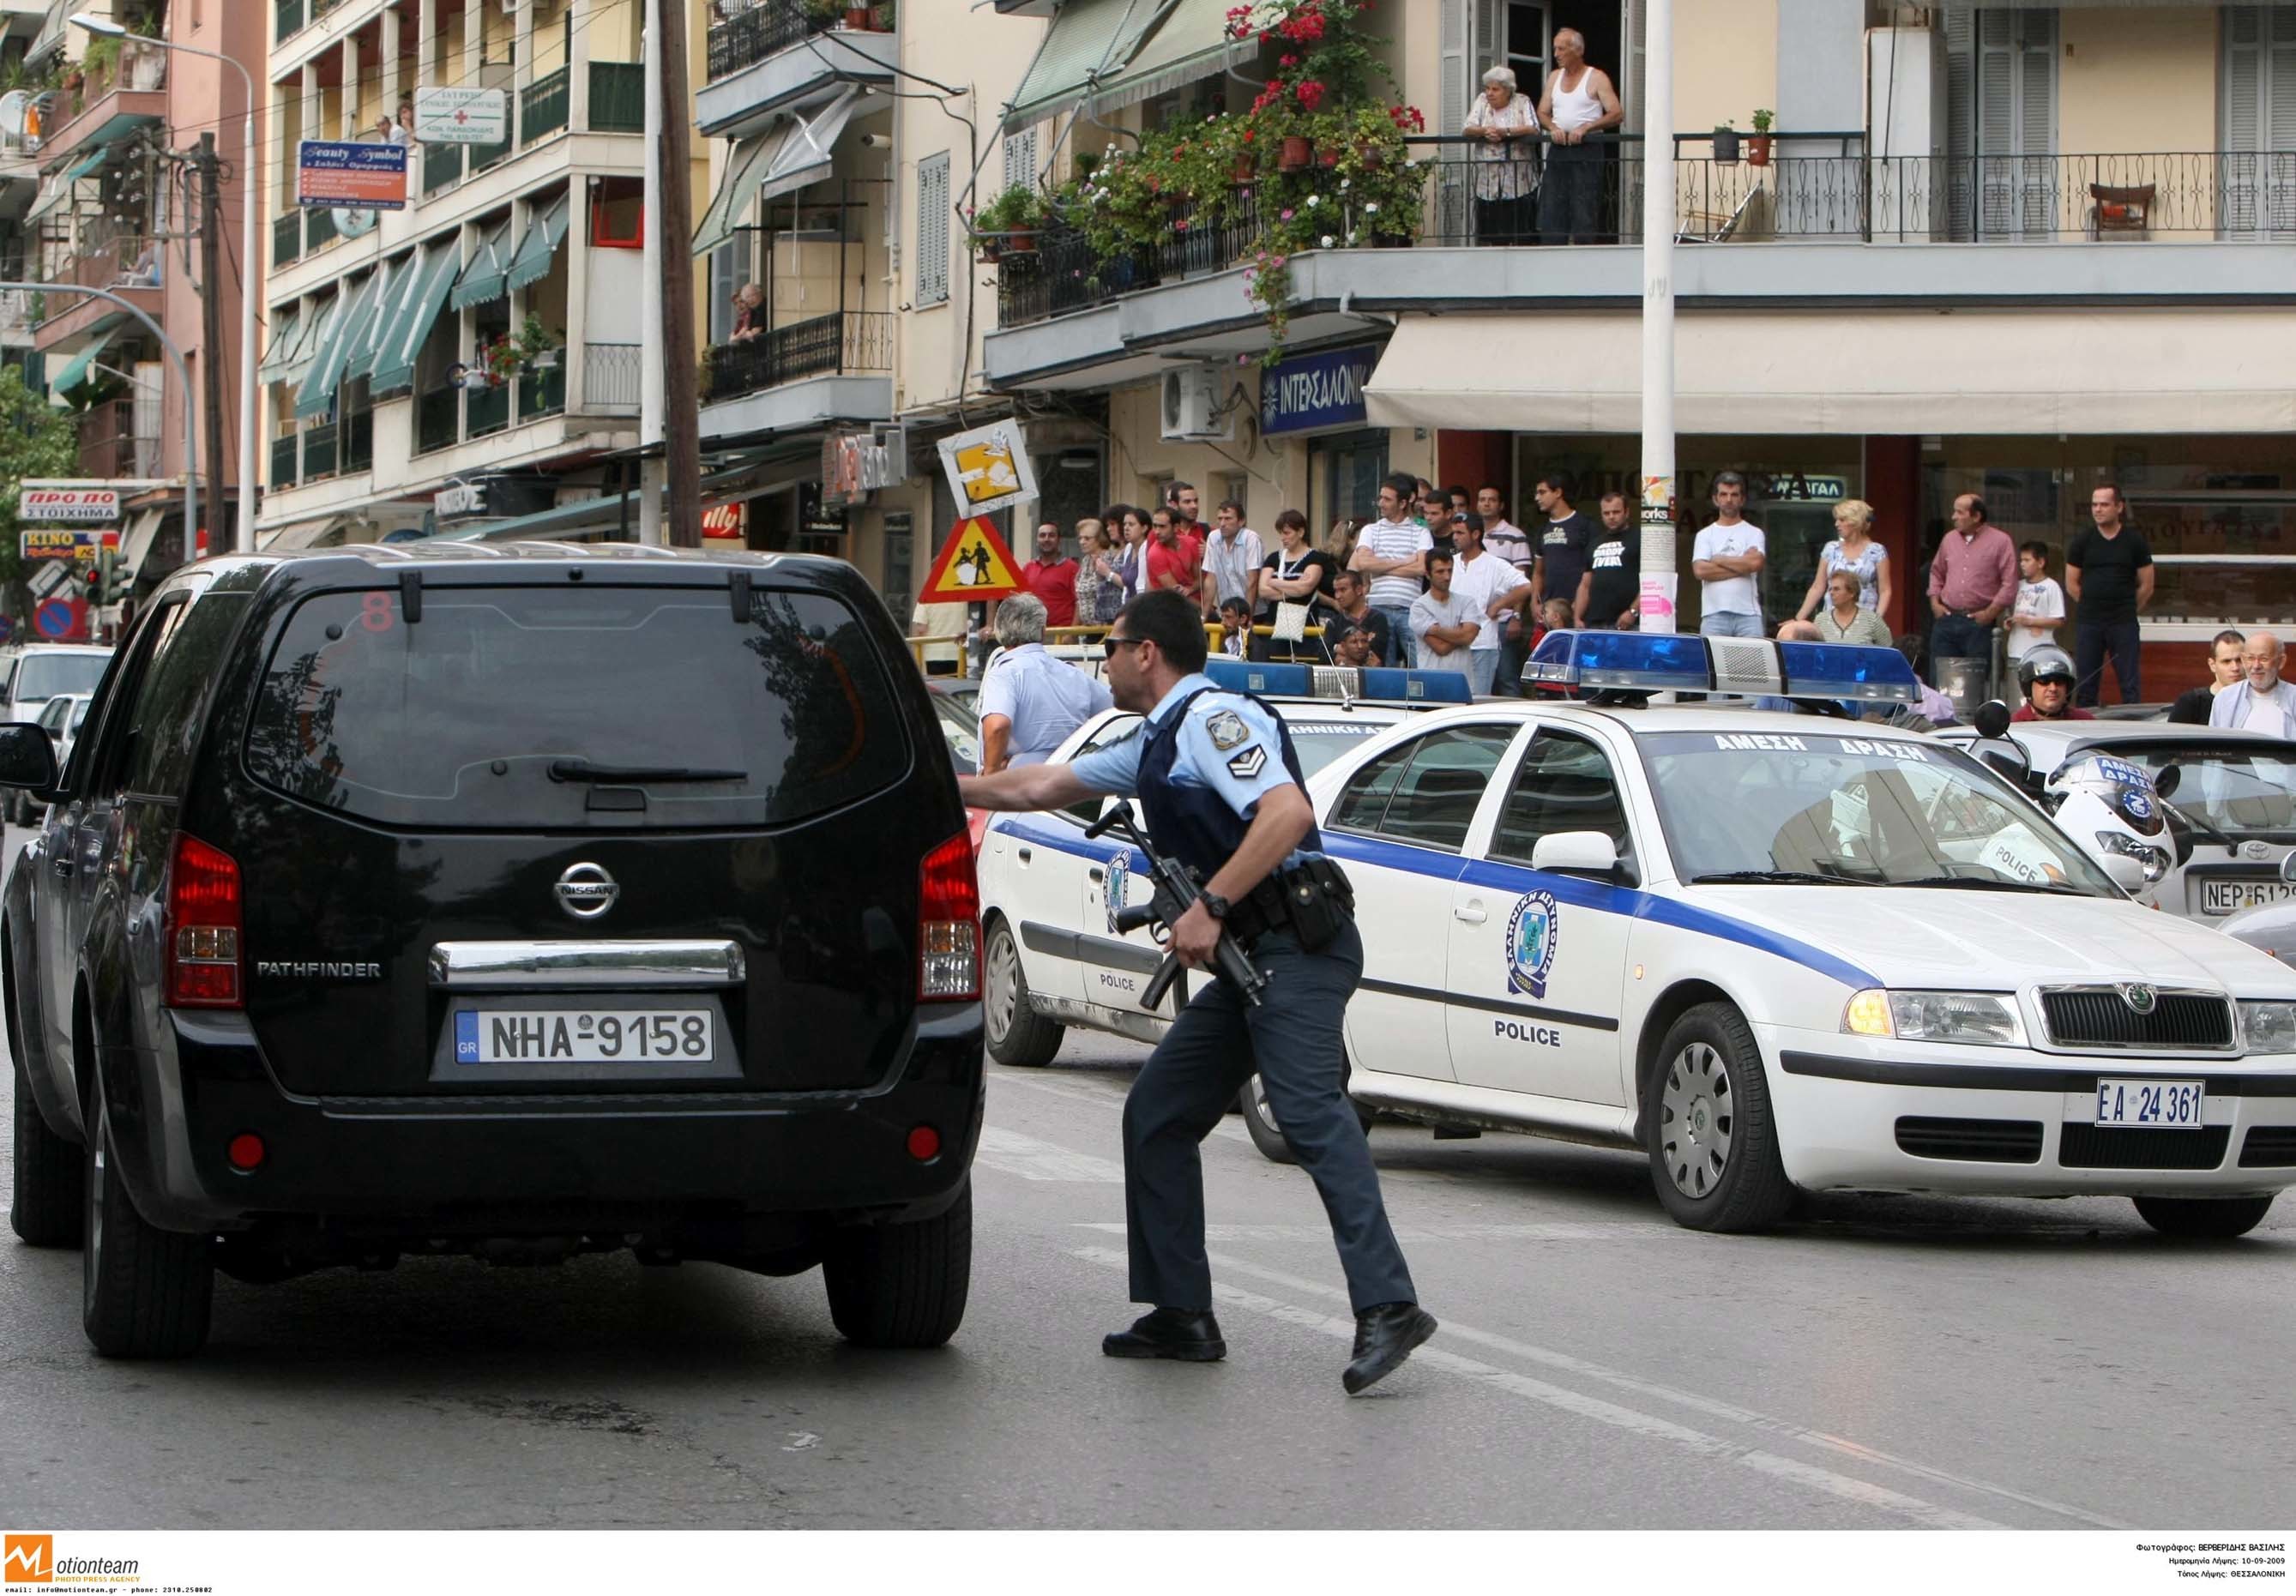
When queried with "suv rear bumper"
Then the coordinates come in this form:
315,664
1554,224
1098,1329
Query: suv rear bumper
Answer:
543,1163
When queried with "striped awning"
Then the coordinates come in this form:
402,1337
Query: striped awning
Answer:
539,247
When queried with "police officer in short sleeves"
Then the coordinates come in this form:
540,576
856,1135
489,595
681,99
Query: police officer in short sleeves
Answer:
1220,787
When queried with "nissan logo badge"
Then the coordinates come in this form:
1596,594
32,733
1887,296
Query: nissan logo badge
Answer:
585,891
2139,997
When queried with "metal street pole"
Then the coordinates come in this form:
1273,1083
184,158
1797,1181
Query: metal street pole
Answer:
653,466
183,379
244,525
1659,580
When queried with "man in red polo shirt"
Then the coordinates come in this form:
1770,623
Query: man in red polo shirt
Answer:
1172,559
1051,577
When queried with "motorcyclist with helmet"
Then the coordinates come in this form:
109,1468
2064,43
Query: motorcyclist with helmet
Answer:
2046,675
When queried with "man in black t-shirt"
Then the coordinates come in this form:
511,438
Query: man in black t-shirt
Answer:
2109,576
1609,595
1561,546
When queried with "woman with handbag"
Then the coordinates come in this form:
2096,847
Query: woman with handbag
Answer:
1296,584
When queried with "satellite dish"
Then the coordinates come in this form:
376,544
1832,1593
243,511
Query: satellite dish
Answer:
15,111
354,220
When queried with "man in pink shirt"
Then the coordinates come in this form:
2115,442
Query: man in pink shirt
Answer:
1052,578
1972,583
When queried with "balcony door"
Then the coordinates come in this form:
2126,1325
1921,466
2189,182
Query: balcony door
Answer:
2001,88
2257,181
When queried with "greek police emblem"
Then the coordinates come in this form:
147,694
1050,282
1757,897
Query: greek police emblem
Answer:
1227,729
1531,941
2136,803
1111,892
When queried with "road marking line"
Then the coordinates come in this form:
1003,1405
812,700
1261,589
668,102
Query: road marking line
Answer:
1698,1443
1566,1230
1102,1099
1748,1417
1035,1160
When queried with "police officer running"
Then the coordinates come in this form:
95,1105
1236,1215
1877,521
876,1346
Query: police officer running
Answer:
1220,790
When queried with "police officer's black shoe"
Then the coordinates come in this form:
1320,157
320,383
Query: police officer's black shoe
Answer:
1384,1337
1179,1333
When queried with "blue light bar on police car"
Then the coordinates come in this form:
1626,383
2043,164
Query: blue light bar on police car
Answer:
1687,662
1282,680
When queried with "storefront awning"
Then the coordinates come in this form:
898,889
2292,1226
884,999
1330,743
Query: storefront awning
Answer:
1083,50
416,314
316,396
390,285
487,276
746,166
539,247
1849,373
1189,43
76,372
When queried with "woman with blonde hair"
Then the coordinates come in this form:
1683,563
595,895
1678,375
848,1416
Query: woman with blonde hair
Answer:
1099,585
1852,550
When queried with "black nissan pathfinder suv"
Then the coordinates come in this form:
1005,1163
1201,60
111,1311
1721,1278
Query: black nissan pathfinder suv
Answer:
516,901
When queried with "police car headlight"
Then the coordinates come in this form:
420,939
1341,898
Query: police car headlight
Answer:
2269,1027
1979,1018
2155,860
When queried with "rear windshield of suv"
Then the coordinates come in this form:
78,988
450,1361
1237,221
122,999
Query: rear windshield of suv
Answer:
583,706
44,676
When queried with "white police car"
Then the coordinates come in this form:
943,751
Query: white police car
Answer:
2230,811
1779,951
1049,895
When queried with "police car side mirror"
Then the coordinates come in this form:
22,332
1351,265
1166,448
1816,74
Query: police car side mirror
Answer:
27,759
1578,852
1991,719
2127,872
2288,867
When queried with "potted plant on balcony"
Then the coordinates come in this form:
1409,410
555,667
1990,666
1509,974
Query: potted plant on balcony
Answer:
503,359
1009,223
536,346
1758,147
824,13
1726,145
860,19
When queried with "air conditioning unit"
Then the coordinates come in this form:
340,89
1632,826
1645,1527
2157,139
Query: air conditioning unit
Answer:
1191,405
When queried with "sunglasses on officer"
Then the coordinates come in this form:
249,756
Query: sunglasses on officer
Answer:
1109,645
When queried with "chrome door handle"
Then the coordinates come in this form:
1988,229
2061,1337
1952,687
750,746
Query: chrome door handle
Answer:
1473,914
1026,854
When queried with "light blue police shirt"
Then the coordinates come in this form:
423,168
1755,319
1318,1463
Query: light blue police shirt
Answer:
1228,743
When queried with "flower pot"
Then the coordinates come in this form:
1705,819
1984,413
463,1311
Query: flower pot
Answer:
1757,149
990,249
859,19
1298,153
1370,156
1243,171
1725,147
1022,240
1327,158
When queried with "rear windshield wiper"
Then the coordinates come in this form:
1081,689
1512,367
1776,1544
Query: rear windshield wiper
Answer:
582,770
1808,878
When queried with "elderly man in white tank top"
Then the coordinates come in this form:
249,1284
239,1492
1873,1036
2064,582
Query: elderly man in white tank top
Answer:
1578,101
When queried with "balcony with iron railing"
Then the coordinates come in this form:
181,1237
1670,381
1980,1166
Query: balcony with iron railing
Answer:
775,32
126,263
447,416
111,447
1806,189
842,343
543,106
613,376
119,86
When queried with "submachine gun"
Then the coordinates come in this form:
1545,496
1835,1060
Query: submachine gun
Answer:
1175,891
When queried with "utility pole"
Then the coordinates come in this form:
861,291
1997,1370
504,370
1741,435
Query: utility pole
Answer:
681,420
652,472
210,335
1659,581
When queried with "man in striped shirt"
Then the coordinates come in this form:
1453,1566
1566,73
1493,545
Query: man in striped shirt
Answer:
1392,552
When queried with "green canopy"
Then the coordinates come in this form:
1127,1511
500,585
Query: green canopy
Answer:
286,339
1088,40
487,276
1191,43
76,373
539,247
746,165
389,287
59,187
411,322
316,396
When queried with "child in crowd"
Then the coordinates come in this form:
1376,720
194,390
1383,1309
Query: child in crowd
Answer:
2040,603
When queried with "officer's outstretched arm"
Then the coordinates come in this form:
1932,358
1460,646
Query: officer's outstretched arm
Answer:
1025,787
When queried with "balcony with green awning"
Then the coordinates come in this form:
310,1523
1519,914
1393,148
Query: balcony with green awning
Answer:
416,315
83,364
1087,47
543,234
486,277
316,396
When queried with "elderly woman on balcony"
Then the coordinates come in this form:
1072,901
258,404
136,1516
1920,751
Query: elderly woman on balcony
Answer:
746,301
1502,138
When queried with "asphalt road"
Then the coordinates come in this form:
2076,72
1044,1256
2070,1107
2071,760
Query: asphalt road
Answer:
1884,1362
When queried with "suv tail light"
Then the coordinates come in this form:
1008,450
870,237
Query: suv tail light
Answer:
202,927
948,923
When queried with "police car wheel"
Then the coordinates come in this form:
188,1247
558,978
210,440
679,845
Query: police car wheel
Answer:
1018,1036
2204,1218
1712,1141
1259,1122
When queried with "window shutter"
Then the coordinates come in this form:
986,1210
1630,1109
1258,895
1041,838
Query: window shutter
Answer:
1634,83
932,229
726,276
1960,119
1452,107
2036,120
1488,47
1456,68
1020,158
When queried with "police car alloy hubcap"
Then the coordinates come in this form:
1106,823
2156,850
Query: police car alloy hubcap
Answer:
585,891
1695,1120
1003,985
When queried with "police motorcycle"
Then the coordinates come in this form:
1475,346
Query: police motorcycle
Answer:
2109,806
